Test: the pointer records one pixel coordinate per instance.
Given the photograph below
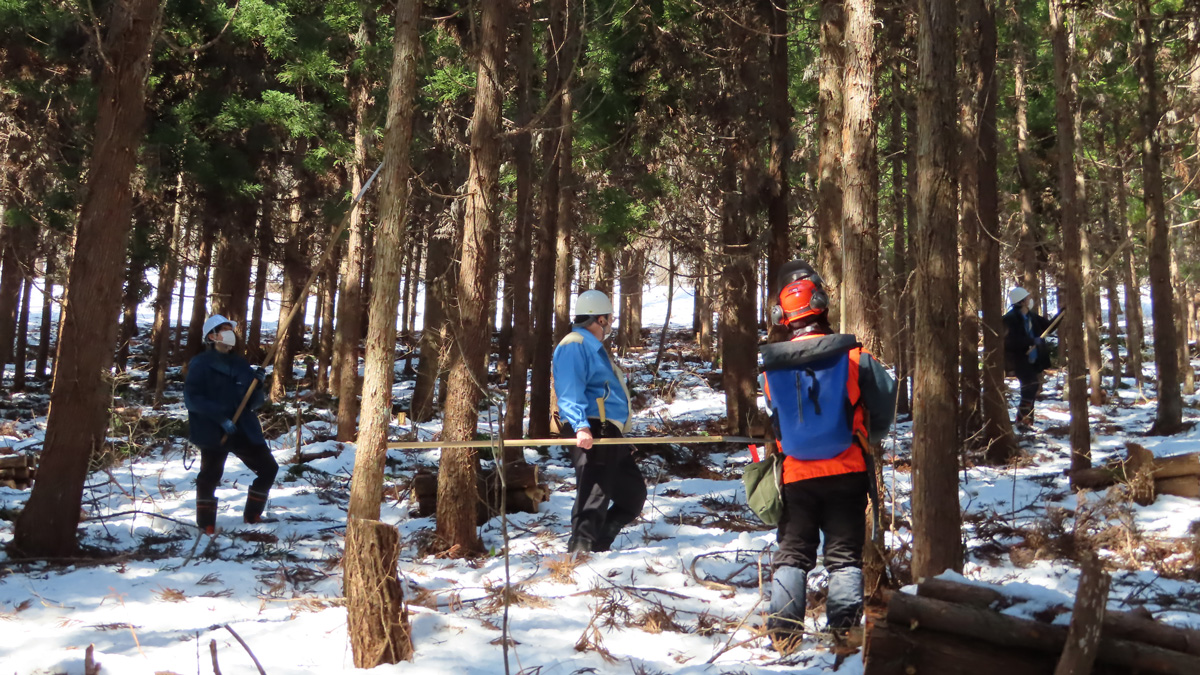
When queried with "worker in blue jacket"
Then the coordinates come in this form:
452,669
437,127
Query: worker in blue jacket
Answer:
217,380
593,402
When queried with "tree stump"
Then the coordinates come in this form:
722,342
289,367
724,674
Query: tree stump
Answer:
378,620
1083,637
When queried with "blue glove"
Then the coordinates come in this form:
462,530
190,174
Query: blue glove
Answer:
260,374
229,427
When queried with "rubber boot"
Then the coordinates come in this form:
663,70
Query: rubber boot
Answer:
256,502
1025,414
206,514
789,593
577,544
843,608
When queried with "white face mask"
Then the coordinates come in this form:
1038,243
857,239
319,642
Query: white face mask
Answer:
227,338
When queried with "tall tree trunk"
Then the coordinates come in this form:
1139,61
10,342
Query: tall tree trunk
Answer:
606,270
908,383
970,386
860,180
544,264
161,332
350,293
779,114
366,487
662,335
937,522
1187,375
997,427
200,293
231,273
900,328
1071,328
295,273
438,285
1169,416
458,468
1134,326
262,271
135,273
1028,240
1087,253
564,257
829,155
49,276
1112,245
633,279
10,291
79,399
523,160
181,329
22,335
328,308
704,297
739,288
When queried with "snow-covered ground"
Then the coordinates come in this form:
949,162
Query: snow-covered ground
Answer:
681,589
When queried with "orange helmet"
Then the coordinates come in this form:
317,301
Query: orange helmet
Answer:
799,299
802,294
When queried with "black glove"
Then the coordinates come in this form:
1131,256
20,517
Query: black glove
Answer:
229,427
260,374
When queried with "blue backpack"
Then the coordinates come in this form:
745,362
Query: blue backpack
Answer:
809,400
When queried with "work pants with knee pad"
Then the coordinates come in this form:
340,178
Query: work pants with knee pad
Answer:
833,507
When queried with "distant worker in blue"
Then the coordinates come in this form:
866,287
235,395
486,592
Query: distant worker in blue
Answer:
217,380
593,402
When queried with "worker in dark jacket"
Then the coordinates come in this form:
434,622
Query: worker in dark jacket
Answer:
1025,351
217,380
593,402
830,401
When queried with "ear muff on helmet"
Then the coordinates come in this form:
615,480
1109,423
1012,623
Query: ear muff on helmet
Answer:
800,299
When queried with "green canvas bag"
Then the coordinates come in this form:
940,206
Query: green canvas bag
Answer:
762,480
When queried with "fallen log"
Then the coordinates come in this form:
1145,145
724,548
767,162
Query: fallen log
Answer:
15,461
1026,634
523,492
1137,458
1179,486
1116,625
896,650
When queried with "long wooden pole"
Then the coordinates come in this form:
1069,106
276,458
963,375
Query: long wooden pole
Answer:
316,270
541,442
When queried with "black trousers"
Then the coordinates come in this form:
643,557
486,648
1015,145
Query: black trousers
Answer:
831,505
610,489
256,457
1031,386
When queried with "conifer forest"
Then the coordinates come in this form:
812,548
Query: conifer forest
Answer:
367,226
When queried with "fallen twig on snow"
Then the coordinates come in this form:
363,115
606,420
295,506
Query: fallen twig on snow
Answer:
246,647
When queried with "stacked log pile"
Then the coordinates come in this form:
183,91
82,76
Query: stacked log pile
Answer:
1145,475
17,471
950,627
522,490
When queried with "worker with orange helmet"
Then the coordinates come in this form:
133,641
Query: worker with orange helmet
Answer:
829,400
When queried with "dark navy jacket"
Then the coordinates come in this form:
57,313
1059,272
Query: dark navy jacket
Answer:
214,387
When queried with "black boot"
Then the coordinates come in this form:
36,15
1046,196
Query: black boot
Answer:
206,514
256,502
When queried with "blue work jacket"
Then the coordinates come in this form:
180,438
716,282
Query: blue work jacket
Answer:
584,375
213,390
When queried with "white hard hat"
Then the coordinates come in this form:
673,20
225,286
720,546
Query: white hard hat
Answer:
592,303
213,322
1016,295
